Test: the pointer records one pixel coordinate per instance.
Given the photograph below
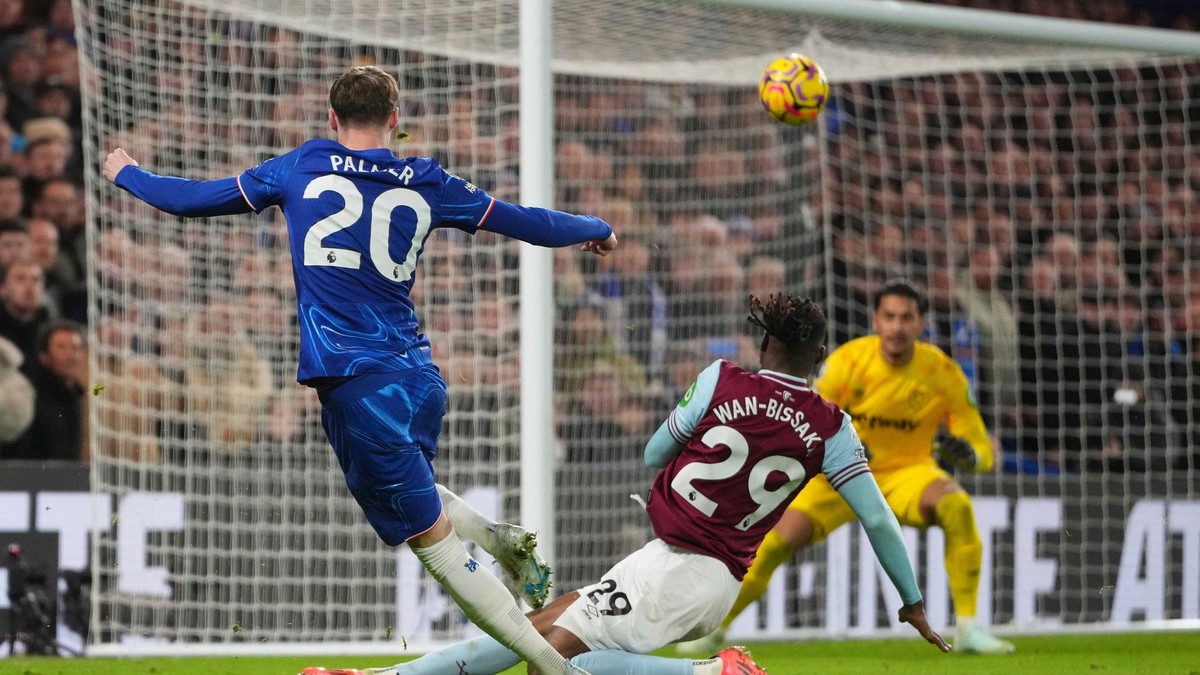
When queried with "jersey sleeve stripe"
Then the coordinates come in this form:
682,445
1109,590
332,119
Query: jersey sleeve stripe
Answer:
844,476
248,202
673,428
486,214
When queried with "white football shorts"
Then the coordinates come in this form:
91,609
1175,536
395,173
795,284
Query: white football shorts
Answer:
657,595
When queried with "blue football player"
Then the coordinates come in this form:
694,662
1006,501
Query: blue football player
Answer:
358,217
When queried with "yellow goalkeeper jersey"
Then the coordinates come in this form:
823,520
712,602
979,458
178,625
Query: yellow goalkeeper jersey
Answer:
897,411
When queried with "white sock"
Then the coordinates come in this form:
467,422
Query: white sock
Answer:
707,667
487,603
467,522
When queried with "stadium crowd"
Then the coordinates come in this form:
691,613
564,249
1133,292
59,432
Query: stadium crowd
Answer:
1049,214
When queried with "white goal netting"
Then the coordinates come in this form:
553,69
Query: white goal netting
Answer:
1043,195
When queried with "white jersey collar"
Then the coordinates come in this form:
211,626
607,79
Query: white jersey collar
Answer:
784,378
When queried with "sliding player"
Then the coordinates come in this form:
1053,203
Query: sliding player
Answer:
734,452
900,392
358,217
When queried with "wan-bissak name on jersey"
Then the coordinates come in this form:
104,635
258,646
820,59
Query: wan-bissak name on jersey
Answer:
750,405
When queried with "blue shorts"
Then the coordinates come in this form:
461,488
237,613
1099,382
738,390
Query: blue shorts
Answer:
384,430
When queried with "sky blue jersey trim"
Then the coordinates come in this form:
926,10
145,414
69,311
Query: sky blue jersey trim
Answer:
677,430
863,495
842,449
661,448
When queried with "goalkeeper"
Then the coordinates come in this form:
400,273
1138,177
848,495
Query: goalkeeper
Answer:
900,393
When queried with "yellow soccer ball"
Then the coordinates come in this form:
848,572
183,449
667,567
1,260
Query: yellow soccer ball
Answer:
793,89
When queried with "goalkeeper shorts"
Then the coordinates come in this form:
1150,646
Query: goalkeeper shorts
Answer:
657,595
384,430
901,487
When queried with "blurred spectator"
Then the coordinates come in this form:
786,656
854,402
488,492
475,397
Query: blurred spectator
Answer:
596,430
987,307
741,236
23,311
270,328
60,203
684,360
14,242
56,101
1100,266
635,305
227,383
45,158
724,294
22,70
12,199
765,276
16,395
292,424
12,18
719,179
588,341
133,403
1050,370
57,429
43,248
691,238
60,22
1122,426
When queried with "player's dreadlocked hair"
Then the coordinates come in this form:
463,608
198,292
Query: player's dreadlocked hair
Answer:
799,324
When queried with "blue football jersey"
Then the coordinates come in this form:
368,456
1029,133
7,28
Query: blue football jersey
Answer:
357,223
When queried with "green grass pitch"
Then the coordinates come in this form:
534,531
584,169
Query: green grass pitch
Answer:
1174,653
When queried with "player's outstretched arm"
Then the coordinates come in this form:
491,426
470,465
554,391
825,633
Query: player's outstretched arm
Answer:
863,495
177,196
914,615
547,227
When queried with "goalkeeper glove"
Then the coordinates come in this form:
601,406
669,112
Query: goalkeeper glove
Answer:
955,451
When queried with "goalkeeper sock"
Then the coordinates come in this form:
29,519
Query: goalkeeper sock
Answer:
487,603
964,551
773,552
469,523
481,656
613,662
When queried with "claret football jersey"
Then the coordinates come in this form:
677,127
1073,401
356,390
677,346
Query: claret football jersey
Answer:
751,442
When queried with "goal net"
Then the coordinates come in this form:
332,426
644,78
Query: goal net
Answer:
1042,195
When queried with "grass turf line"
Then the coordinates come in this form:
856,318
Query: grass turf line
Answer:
1174,653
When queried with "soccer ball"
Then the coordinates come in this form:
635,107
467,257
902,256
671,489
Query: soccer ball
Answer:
793,89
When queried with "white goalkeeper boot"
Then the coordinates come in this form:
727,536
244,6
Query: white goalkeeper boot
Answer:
516,551
971,638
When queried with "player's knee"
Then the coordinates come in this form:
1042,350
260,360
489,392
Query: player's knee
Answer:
543,619
775,549
564,641
956,516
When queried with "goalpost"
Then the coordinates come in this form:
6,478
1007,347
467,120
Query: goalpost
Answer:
1001,171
